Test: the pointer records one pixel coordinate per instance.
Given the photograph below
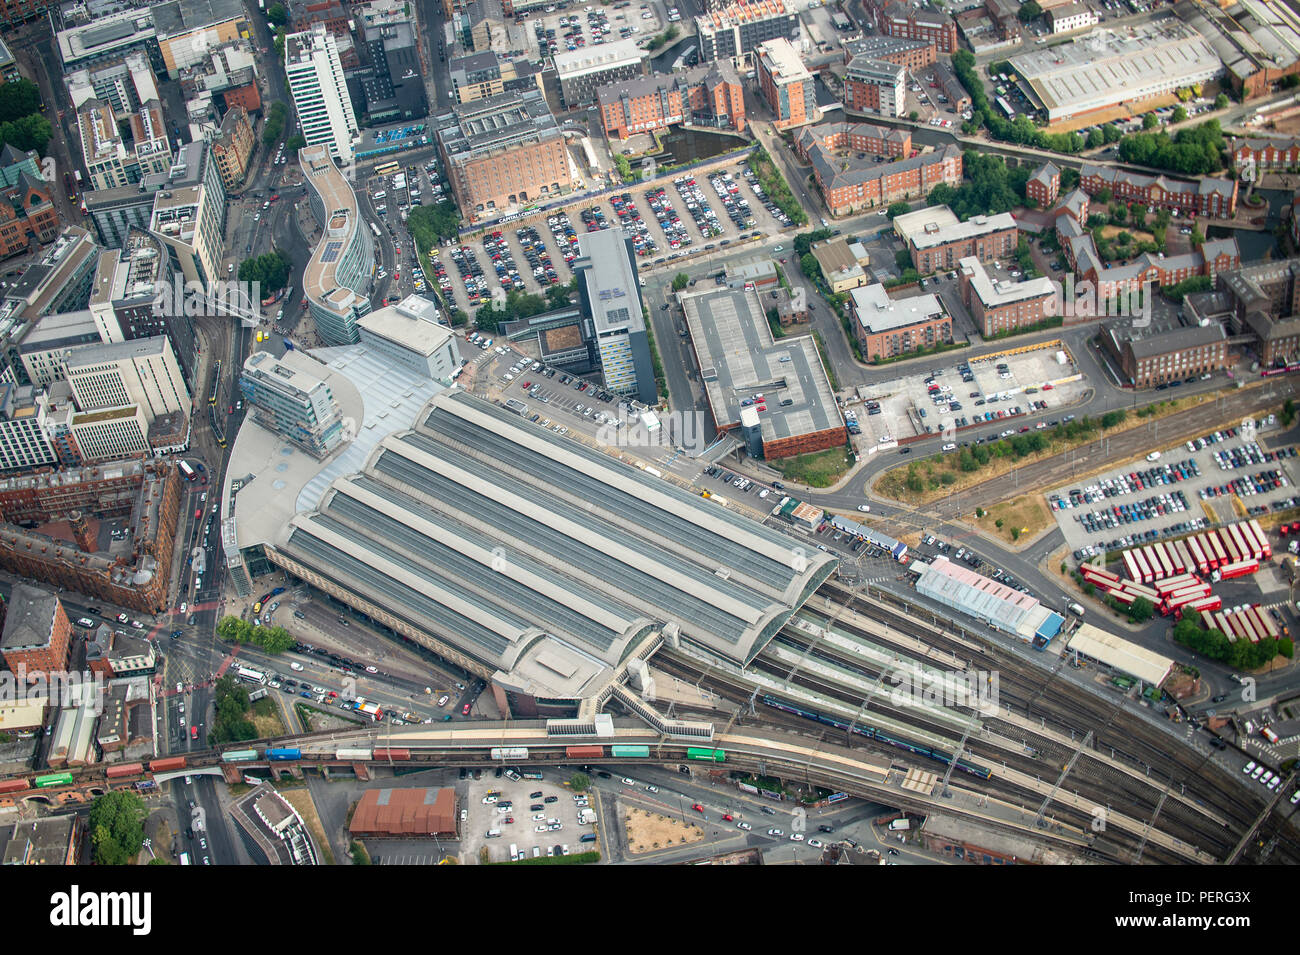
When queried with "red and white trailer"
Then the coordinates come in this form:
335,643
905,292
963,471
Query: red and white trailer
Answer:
1138,590
1248,538
1131,566
1198,555
1218,556
1263,538
1241,568
1212,602
1144,568
1176,583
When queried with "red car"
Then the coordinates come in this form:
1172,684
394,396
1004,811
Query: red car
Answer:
276,197
194,732
726,817
464,710
698,808
510,819
198,512
528,384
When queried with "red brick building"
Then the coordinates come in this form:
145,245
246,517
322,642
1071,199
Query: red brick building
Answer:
1215,198
37,633
901,20
901,51
1044,185
148,494
1265,154
26,213
711,95
786,84
875,86
987,238
887,327
1165,350
1004,306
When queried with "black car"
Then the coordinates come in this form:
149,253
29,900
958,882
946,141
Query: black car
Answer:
825,828
536,807
551,799
463,772
604,775
769,810
536,795
500,770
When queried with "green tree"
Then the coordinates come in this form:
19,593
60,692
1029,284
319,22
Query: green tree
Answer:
1096,138
1180,114
116,827
1141,610
1029,10
430,225
295,142
1150,121
274,125
914,116
270,270
18,99
278,15
1221,101
579,782
231,704
27,133
680,281
233,629
1288,412
898,209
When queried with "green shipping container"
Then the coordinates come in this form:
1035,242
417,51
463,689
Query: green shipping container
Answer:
712,755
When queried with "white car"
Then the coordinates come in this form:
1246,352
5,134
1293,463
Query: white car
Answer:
775,832
372,669
796,837
949,447
296,666
864,508
744,825
629,782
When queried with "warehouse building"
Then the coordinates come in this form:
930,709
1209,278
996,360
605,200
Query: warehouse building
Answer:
774,391
405,813
1001,607
1109,68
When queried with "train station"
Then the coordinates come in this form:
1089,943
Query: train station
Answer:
545,566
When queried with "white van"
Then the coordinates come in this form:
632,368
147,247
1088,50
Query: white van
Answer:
494,834
381,194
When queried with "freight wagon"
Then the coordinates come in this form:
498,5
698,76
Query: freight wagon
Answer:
238,755
352,754
392,754
167,764
509,752
284,754
584,752
127,769
626,751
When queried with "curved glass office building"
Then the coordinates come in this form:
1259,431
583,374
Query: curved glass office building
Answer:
336,282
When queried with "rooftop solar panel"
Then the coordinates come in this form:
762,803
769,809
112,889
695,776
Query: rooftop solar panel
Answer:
331,252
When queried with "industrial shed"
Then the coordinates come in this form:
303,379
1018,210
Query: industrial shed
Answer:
985,599
405,812
1120,654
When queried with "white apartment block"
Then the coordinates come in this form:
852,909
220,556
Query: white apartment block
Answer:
320,93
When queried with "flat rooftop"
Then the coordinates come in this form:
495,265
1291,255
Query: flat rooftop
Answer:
996,294
611,281
594,59
931,235
781,60
739,358
495,123
412,323
877,312
1107,67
